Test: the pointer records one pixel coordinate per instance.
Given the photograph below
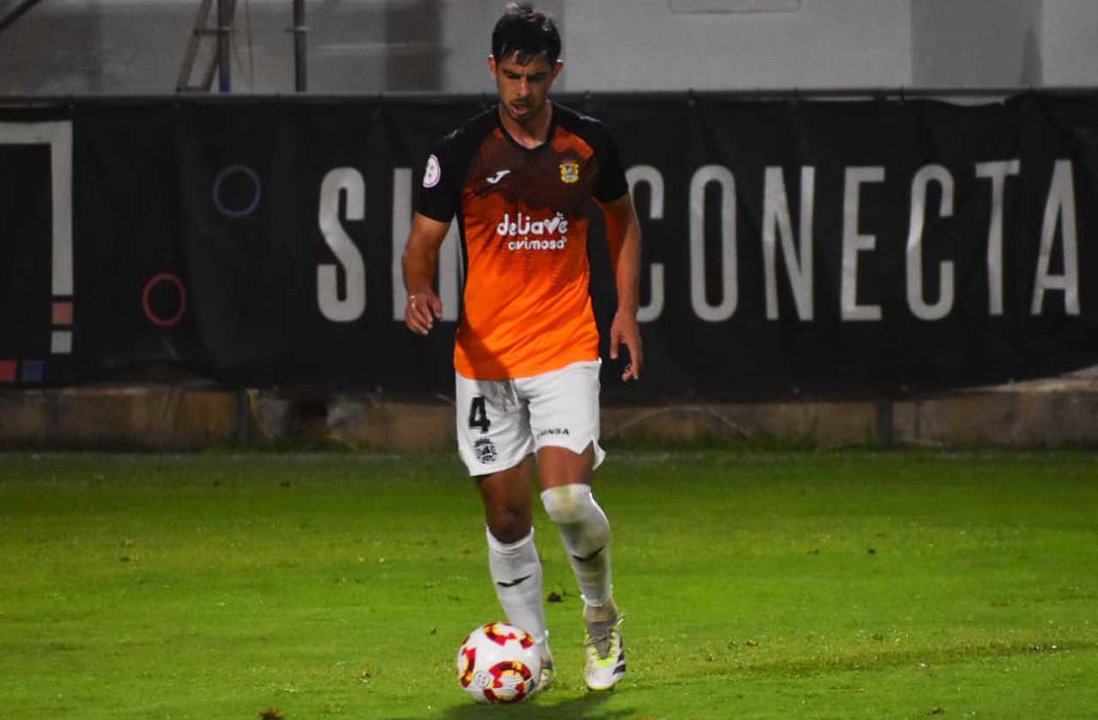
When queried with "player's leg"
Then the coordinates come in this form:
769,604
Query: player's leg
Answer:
512,556
564,418
583,526
585,532
494,441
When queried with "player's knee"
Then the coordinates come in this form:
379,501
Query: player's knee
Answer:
509,523
569,504
583,526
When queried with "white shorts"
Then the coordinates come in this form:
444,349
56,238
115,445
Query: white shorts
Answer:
500,422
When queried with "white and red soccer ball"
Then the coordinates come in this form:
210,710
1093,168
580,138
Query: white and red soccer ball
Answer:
499,663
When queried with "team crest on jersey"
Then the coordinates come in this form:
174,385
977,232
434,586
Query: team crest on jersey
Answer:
569,171
485,450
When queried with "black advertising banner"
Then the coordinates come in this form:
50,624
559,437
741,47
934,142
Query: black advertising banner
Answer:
791,247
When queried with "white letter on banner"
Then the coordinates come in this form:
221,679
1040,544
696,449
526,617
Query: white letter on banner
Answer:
1059,210
352,306
997,172
449,270
776,222
723,177
651,177
854,243
915,229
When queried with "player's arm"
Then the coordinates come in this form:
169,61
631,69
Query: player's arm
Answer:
419,262
623,234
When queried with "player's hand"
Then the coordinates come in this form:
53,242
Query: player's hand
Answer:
625,331
422,310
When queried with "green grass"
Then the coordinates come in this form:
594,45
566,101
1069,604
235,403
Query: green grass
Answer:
757,585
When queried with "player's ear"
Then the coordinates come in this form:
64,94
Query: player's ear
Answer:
557,67
492,64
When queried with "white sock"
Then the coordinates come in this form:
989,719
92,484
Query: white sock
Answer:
585,532
516,573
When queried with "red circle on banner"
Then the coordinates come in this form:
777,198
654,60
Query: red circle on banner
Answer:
180,288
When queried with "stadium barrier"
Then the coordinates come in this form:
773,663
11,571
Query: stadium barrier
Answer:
836,268
794,247
1056,413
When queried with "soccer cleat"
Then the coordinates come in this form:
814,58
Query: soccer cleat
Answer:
605,654
548,674
548,671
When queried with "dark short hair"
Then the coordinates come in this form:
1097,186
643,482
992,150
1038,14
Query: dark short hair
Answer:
525,31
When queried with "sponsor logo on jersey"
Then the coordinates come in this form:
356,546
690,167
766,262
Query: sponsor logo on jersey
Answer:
500,174
433,173
553,431
569,171
526,233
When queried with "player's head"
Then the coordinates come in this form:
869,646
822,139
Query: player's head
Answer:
525,61
523,34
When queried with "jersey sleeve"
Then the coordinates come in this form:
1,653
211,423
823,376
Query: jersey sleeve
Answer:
437,193
610,185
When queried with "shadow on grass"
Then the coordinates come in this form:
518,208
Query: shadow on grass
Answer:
588,707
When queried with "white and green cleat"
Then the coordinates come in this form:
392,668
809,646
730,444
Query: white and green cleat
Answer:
605,654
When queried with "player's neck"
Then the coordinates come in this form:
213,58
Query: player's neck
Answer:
531,132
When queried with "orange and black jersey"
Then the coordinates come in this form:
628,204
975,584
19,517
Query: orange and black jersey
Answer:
522,216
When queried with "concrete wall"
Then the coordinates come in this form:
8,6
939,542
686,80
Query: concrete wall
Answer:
124,47
149,418
974,44
1069,42
647,45
370,46
1043,414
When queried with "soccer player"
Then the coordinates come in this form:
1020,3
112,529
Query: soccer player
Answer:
519,178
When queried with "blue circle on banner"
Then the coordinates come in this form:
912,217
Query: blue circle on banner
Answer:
257,188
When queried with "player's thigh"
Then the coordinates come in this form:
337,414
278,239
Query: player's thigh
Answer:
492,425
561,466
564,422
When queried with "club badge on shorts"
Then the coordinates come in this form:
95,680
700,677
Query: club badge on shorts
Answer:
569,171
485,450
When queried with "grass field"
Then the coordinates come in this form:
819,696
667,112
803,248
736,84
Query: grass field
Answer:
757,585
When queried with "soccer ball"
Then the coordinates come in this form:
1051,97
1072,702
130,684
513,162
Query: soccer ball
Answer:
499,663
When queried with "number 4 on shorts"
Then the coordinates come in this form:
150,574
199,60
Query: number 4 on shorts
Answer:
478,414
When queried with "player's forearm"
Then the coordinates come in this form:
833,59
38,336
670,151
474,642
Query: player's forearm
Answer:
627,262
419,268
623,234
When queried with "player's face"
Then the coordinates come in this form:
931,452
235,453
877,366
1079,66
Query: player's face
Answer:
523,89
